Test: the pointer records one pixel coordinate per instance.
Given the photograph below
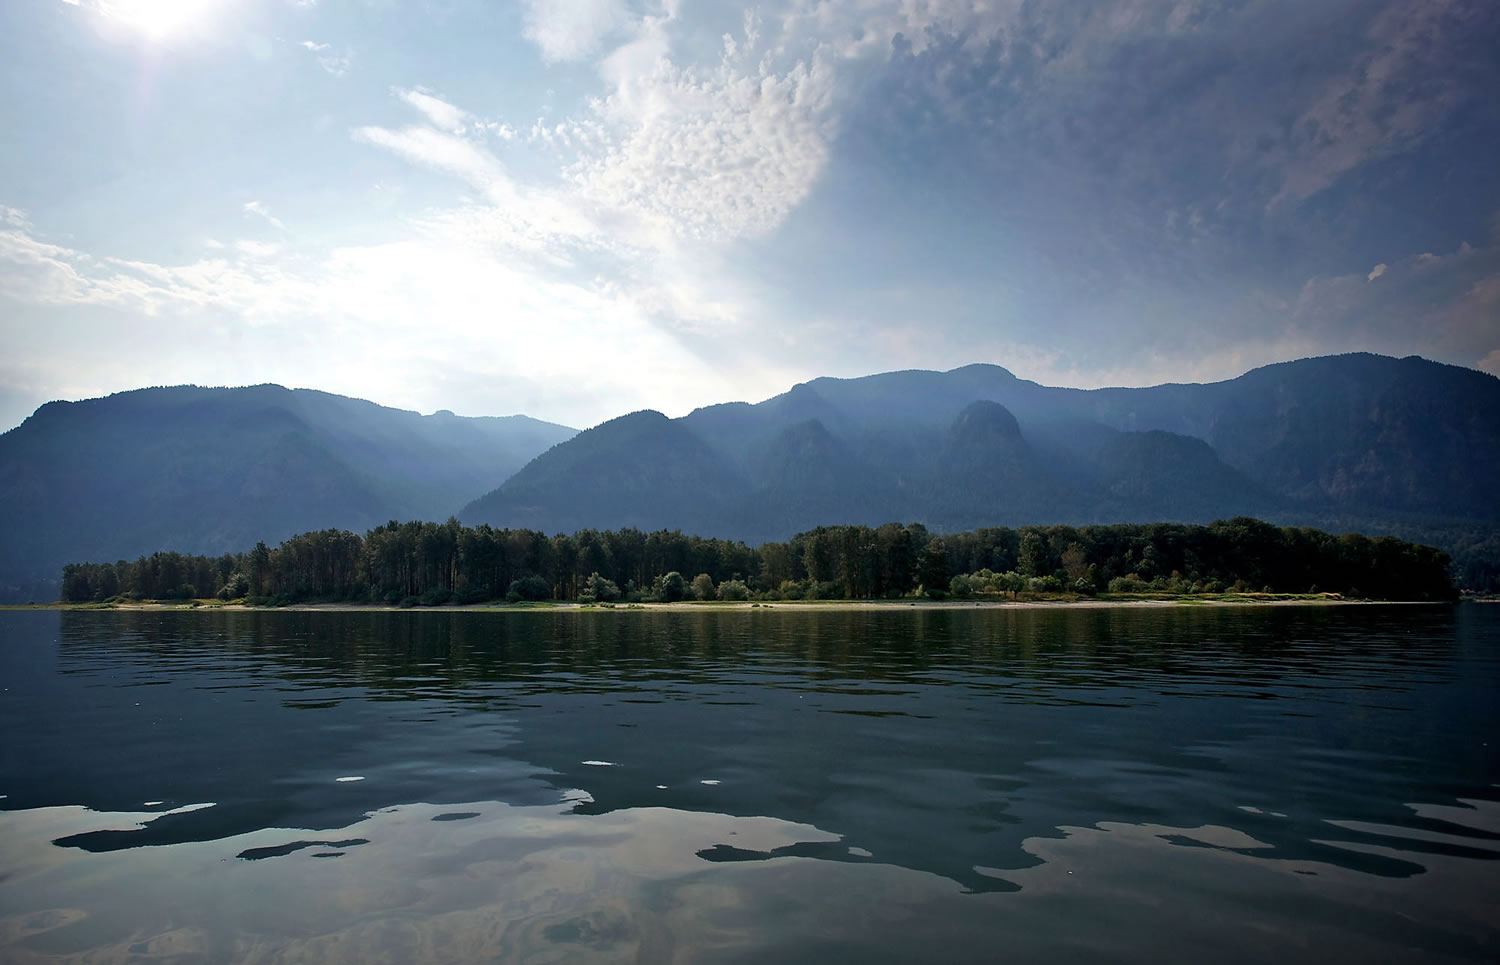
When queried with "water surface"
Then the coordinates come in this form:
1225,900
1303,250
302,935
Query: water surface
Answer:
1121,785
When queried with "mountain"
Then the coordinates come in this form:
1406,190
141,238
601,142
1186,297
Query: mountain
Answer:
1359,442
988,474
213,470
807,477
642,470
1372,442
1355,431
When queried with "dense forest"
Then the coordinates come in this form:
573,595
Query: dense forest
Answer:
429,564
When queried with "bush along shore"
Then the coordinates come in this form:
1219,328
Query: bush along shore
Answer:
435,564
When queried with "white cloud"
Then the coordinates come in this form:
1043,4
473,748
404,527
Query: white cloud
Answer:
439,112
333,63
657,179
435,149
618,224
710,155
485,320
572,29
261,211
257,249
39,272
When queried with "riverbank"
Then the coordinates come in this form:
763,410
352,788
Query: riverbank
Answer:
1059,602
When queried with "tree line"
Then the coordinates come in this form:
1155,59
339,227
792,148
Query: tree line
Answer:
421,563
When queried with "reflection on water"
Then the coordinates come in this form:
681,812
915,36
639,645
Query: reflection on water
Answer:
844,785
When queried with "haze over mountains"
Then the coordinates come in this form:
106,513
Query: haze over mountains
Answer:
211,470
1358,436
1347,442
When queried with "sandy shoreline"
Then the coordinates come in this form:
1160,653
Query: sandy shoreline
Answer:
783,605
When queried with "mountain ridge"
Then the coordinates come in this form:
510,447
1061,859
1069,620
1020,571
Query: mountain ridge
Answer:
1382,441
215,469
1363,441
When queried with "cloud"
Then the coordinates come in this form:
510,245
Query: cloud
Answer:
656,181
1389,97
486,319
40,272
261,211
435,149
1446,306
257,249
708,154
333,63
1117,192
439,112
565,30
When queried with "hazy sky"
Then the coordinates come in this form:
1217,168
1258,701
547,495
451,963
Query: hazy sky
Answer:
580,207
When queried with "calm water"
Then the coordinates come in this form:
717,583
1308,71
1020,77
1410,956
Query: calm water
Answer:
1308,784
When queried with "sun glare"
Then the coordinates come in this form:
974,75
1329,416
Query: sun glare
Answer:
160,19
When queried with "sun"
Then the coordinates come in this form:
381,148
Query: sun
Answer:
159,19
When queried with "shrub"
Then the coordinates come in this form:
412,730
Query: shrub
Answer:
703,587
669,588
235,587
471,594
529,588
1046,584
734,591
601,589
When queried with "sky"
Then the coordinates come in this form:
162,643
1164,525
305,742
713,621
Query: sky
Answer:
578,208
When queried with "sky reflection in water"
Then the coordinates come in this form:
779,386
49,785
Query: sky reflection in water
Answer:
779,786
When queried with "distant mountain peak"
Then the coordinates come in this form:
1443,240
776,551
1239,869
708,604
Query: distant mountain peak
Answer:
988,369
985,423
